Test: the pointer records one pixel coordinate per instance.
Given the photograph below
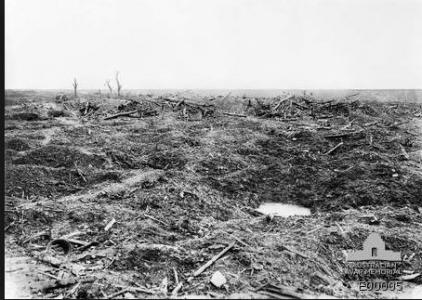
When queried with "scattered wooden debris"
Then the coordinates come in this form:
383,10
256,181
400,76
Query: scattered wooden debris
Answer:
110,224
297,253
176,277
123,114
213,260
88,245
177,289
154,219
283,100
48,275
73,234
408,259
345,135
334,148
122,291
78,242
88,108
303,107
234,115
129,289
80,173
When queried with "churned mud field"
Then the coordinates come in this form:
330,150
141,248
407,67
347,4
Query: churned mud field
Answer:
158,196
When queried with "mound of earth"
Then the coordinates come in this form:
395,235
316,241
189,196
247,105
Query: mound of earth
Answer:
33,180
25,180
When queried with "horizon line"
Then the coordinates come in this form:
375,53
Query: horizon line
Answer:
232,89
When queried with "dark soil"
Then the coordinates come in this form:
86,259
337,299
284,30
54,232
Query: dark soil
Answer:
58,156
17,144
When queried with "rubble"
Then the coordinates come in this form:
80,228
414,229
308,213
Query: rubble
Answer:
185,184
218,279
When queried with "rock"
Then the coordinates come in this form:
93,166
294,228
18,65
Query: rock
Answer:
218,279
110,224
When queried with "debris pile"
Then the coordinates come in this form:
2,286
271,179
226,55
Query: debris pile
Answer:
147,108
294,106
189,110
139,108
88,108
61,98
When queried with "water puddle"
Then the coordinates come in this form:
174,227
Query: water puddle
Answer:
283,210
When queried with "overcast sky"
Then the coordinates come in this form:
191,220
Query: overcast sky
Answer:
214,43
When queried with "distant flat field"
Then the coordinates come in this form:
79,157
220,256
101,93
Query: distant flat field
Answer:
415,95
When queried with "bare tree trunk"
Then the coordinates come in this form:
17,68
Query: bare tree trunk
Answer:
107,84
75,87
119,85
